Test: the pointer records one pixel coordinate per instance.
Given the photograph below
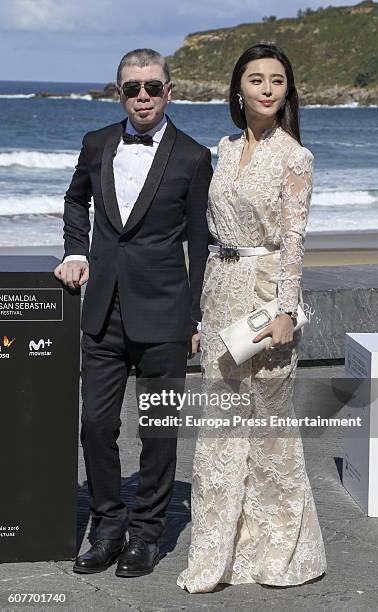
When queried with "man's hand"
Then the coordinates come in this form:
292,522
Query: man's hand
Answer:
280,329
74,274
194,344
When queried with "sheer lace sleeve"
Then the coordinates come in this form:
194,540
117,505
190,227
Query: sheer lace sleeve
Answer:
296,198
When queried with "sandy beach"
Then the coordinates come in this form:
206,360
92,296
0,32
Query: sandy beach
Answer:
341,248
322,248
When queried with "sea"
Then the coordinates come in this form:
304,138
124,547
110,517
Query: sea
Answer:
40,139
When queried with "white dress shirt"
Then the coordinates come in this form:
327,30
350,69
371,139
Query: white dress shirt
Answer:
131,165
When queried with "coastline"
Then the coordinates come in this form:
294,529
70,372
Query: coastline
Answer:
313,102
193,91
321,248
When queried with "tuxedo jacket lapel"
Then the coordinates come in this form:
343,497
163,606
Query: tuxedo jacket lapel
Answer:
153,178
107,176
151,183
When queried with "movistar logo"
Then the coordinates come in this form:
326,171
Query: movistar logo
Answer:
37,348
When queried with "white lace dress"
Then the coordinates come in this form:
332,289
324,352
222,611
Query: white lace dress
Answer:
253,512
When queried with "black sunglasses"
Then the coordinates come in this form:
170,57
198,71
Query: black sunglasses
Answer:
154,87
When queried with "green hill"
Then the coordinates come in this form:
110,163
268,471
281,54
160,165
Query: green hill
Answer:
328,47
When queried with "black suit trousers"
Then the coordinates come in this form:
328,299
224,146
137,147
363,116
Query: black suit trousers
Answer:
106,363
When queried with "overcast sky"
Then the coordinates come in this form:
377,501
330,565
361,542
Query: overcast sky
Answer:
83,40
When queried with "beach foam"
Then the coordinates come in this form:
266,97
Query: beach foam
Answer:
27,205
345,198
31,95
336,143
71,96
12,206
349,105
37,159
215,101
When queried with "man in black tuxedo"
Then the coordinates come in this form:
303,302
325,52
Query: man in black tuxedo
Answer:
149,182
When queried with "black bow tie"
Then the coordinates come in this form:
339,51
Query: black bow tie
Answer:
145,139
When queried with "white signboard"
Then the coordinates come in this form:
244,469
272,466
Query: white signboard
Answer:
360,464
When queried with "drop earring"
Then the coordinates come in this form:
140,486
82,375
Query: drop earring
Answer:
241,104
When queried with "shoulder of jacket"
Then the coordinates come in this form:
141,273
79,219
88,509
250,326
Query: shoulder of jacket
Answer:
191,142
193,149
101,133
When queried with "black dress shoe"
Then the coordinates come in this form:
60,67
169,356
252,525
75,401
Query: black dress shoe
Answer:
138,559
99,557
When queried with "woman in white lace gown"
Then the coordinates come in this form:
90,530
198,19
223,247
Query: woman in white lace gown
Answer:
253,512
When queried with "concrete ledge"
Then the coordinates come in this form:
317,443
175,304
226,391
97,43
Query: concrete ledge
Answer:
338,299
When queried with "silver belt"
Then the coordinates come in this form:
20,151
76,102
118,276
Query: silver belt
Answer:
231,253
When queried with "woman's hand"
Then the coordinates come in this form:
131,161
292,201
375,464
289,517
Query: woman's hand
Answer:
280,329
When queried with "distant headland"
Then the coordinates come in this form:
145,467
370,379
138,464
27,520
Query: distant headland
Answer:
333,51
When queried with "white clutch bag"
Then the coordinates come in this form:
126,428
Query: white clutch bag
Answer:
239,336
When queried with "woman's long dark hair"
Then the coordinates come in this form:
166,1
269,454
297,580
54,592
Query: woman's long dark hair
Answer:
288,116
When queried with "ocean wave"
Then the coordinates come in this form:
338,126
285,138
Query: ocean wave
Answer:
214,101
334,223
54,204
349,105
345,198
71,97
85,97
31,95
32,205
38,159
336,143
